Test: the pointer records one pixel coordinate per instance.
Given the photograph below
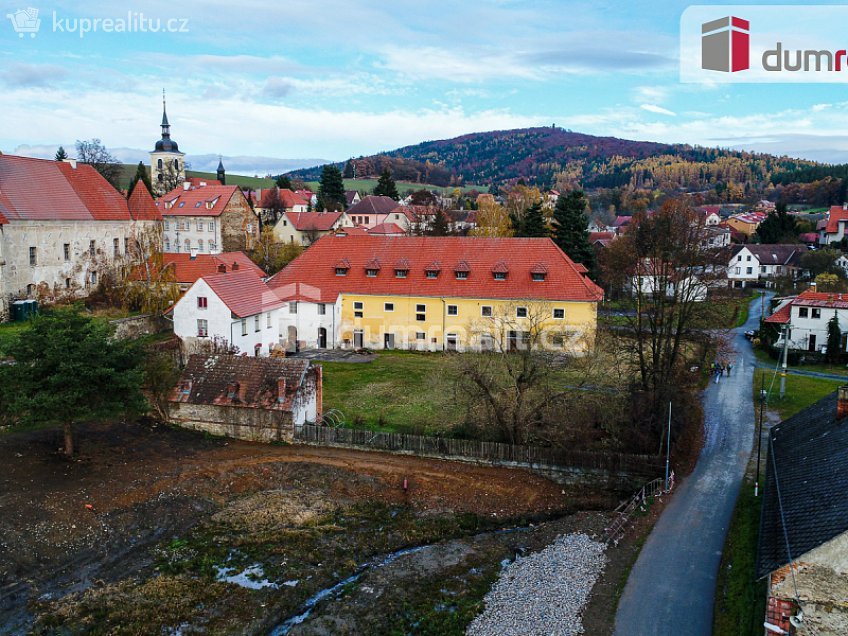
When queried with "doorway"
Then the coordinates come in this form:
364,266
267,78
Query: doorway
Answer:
322,338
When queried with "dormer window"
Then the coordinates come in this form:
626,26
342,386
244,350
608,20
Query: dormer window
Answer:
401,273
539,272
433,269
371,273
538,276
432,274
461,270
500,275
341,271
342,266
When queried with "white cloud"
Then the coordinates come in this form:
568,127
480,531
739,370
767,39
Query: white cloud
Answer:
659,110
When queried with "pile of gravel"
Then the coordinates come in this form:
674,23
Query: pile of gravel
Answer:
544,593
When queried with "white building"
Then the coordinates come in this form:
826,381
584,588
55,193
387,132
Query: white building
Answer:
763,263
833,229
235,308
167,163
805,320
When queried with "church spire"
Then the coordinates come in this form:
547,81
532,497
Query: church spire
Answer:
222,176
166,127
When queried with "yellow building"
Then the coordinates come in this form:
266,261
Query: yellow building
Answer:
437,293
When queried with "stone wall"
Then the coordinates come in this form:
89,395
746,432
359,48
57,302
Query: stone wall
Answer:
252,424
239,225
137,326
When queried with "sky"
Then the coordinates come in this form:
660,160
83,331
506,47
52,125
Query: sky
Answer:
275,85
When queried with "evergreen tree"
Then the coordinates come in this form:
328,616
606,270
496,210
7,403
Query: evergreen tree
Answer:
61,155
70,369
284,183
834,340
349,171
532,225
571,231
440,226
331,192
778,227
386,186
142,175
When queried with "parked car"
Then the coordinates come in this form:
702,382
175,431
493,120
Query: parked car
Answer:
750,334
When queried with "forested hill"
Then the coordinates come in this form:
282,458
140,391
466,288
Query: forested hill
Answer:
553,157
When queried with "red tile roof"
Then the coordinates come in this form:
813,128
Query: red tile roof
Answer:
290,199
141,205
193,202
197,181
188,270
809,298
386,229
316,221
601,236
243,292
808,237
837,213
315,269
781,316
46,190
373,204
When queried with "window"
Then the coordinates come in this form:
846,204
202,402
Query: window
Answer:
268,320
432,274
357,310
159,164
748,258
93,278
538,276
167,245
177,165
816,313
763,269
461,275
749,270
188,245
116,247
126,245
738,270
358,305
486,311
200,245
30,290
244,327
401,273
498,275
202,328
389,307
803,312
293,307
521,312
67,283
256,325
420,335
202,302
199,225
67,251
453,310
559,314
371,273
211,246
212,226
420,317
322,309
33,256
341,271
92,248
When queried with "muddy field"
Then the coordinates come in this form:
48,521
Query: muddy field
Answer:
154,530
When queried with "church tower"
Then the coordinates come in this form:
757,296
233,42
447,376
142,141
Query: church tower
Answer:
167,167
222,175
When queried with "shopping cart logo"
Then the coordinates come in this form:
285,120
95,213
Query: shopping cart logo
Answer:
25,21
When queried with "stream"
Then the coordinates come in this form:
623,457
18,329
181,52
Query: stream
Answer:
286,626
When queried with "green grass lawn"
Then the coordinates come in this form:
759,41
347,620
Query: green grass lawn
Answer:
801,391
399,391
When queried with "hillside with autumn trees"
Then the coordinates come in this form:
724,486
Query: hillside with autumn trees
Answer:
618,173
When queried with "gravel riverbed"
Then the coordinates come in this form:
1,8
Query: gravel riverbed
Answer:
543,593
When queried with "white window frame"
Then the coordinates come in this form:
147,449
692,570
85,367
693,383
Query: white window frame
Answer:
202,328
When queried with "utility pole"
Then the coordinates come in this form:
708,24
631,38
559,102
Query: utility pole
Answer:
668,446
760,430
786,331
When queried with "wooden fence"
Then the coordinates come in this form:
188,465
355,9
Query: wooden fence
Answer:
491,452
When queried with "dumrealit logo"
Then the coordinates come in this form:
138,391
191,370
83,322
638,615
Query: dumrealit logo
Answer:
760,43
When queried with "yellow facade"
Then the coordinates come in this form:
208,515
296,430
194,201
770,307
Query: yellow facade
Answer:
437,324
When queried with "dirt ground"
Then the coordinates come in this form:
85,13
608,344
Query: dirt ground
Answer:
130,537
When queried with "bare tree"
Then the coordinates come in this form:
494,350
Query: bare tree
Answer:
94,153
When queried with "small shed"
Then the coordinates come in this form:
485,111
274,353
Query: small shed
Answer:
256,399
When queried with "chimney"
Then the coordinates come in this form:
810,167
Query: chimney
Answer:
842,402
186,186
281,390
72,162
193,255
235,266
222,269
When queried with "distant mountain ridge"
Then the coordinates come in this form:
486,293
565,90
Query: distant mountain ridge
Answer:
554,157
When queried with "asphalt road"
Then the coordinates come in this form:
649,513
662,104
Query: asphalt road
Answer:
671,587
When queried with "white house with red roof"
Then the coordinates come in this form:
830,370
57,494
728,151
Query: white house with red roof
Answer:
375,210
304,228
436,293
235,307
208,219
804,319
61,223
188,268
833,229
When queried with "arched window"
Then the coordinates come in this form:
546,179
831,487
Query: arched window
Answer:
177,165
200,245
159,164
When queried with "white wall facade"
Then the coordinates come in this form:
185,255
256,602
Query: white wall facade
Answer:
203,233
307,320
808,327
261,329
